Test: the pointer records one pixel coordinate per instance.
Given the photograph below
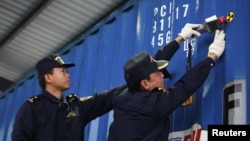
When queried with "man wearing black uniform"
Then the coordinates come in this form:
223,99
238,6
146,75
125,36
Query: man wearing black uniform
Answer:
141,111
50,116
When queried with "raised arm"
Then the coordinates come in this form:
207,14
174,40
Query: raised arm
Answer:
167,52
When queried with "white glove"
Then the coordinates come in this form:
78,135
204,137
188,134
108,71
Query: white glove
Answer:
218,45
188,31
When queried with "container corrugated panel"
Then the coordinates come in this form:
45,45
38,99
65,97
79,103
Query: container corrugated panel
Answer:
147,26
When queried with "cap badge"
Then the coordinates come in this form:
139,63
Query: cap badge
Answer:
59,60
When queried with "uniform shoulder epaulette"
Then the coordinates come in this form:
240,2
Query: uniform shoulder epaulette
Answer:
71,97
85,98
33,99
162,89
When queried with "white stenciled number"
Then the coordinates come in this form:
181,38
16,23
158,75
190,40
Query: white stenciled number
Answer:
155,11
160,39
154,27
162,24
160,35
185,6
153,41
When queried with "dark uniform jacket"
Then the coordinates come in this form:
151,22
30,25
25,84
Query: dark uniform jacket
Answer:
144,116
45,118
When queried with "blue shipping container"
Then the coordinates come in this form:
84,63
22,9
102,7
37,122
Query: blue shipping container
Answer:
147,25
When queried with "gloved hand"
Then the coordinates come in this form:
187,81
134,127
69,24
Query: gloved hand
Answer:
188,31
218,45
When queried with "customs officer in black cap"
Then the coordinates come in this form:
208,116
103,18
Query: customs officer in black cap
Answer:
141,112
50,116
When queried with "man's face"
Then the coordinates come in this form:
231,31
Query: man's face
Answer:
59,78
155,81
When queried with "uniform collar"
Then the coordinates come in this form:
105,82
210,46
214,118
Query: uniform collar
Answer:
50,96
55,99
